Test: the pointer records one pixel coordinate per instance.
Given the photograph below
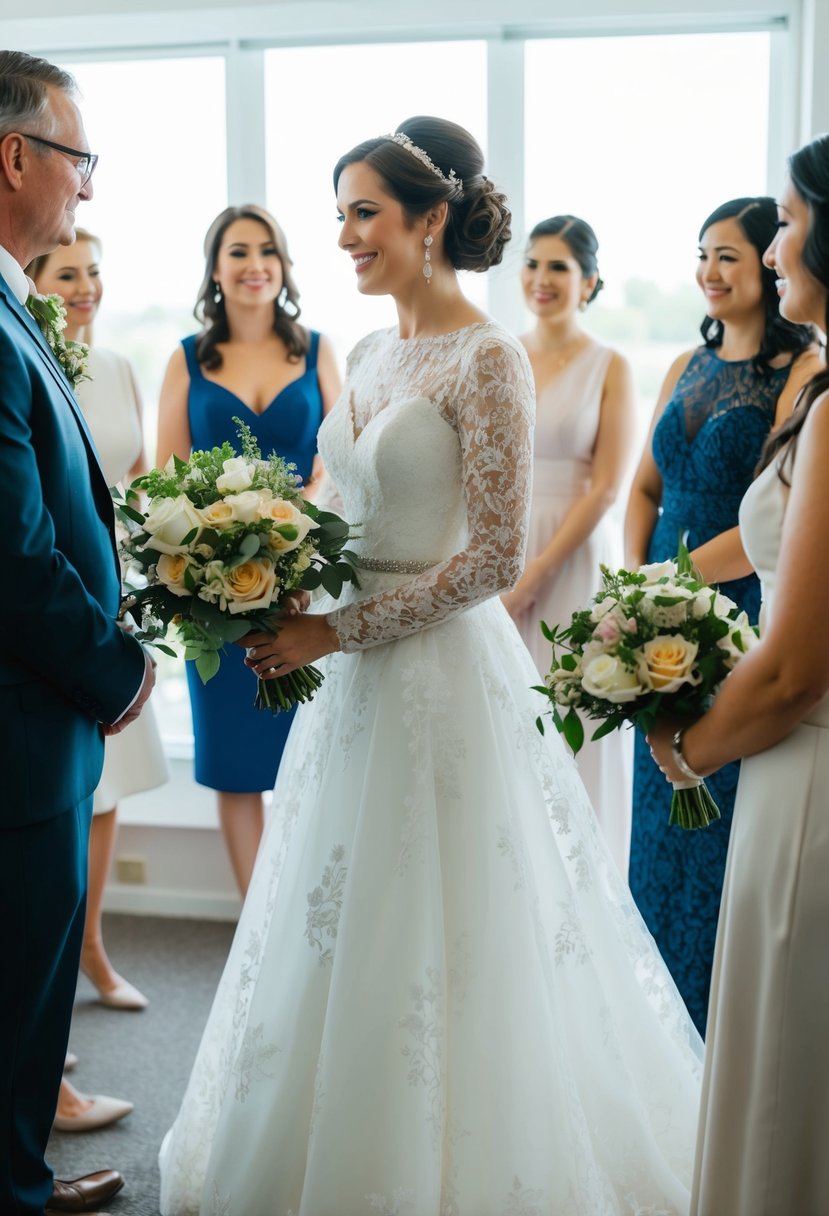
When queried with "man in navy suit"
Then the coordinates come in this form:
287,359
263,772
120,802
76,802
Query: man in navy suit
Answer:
68,674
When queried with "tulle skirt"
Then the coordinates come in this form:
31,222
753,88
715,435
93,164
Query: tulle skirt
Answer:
440,1000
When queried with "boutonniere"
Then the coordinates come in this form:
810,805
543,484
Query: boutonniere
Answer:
50,314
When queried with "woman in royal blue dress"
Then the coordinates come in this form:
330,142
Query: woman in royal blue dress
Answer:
716,407
254,361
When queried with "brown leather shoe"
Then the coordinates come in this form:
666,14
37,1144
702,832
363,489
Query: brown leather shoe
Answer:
84,1194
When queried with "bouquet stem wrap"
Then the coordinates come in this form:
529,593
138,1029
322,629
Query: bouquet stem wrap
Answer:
692,805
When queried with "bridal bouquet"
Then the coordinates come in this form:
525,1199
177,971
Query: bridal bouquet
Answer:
224,539
655,641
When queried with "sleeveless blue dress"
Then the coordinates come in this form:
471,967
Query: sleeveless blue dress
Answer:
238,747
706,445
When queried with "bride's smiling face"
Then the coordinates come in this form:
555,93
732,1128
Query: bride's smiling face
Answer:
386,250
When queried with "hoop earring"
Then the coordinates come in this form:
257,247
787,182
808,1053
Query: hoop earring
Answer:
427,259
217,293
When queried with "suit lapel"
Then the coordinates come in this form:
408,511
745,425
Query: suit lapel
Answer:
49,361
25,318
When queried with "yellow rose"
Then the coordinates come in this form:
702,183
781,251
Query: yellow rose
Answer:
170,571
670,660
251,585
285,515
218,515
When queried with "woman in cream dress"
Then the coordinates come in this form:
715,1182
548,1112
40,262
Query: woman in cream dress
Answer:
765,1106
134,760
585,426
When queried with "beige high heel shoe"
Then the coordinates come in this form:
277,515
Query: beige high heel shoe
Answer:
101,1113
123,995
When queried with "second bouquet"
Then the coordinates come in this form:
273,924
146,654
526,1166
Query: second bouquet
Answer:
653,643
226,536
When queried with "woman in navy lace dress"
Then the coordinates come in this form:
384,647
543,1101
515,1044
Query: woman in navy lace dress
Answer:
716,408
254,361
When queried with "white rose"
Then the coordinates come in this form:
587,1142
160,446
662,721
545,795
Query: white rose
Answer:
723,605
168,522
607,677
245,506
654,571
238,475
670,660
170,571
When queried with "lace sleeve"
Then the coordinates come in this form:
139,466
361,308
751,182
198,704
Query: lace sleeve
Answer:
493,413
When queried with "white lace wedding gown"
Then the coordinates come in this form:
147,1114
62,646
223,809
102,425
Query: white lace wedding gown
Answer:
440,1000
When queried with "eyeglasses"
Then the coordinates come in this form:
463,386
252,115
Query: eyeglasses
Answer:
85,161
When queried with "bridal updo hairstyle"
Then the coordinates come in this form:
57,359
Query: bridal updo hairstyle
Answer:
478,222
809,175
579,238
758,219
211,313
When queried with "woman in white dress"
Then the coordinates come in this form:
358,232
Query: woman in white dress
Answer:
765,1108
584,433
134,760
440,998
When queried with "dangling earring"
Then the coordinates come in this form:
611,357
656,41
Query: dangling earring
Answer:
427,260
582,305
217,293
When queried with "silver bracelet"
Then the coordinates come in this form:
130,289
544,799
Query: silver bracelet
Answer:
679,760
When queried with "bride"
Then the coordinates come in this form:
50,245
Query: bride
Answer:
440,1000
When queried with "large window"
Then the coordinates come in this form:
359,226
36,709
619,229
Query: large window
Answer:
161,180
368,90
643,137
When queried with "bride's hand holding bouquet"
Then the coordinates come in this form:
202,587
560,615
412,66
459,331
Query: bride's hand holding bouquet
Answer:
652,648
226,552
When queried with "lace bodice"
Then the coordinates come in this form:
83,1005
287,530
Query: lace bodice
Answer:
430,447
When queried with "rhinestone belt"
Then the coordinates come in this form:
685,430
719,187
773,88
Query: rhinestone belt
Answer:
392,565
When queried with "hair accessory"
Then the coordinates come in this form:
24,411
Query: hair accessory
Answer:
424,158
427,259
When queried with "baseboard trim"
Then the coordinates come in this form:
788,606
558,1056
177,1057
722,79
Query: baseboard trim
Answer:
161,901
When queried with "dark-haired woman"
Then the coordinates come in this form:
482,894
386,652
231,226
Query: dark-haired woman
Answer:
440,998
252,360
762,1142
585,423
715,411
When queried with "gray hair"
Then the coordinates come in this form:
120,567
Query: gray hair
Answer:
24,96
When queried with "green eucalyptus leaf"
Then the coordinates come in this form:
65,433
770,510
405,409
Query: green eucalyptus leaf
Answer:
207,664
573,731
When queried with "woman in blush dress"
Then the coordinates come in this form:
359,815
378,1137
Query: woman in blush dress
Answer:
134,760
584,434
765,1109
252,360
716,408
440,997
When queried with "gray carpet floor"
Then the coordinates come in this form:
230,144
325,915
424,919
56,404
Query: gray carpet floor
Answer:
144,1057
